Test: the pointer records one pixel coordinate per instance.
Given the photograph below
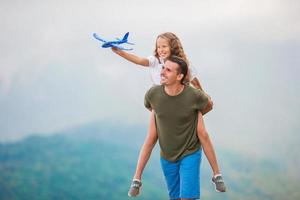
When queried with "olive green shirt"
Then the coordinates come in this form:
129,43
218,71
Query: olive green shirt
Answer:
176,120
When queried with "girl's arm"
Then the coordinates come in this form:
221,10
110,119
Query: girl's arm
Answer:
131,57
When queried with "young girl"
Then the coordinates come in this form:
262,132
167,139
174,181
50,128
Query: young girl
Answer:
168,44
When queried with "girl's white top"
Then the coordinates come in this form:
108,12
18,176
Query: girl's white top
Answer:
155,68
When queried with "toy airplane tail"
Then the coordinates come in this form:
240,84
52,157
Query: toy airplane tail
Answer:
125,37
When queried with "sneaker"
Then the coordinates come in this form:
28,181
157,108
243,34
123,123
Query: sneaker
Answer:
219,183
135,188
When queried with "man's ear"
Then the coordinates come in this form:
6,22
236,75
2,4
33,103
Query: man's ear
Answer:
179,77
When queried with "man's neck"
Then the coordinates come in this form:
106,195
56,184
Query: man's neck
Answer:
174,90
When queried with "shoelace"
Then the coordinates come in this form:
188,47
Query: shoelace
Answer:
136,184
219,180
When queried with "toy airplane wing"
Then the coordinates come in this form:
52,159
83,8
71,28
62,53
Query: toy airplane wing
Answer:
98,38
121,48
130,43
120,40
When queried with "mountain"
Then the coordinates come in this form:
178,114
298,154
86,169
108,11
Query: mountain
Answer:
97,161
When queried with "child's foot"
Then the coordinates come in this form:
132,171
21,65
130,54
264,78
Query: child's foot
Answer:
219,183
135,188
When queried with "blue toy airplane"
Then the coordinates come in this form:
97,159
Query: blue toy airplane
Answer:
114,43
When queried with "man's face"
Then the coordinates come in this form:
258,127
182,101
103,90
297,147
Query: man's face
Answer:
169,74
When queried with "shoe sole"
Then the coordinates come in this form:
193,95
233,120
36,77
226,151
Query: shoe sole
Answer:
140,188
216,187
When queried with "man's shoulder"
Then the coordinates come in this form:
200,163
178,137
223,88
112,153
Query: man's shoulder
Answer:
196,92
154,89
193,90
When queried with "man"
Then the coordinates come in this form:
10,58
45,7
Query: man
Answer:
179,123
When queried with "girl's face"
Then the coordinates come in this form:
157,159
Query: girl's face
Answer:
163,48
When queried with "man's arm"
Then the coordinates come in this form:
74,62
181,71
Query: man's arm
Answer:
209,106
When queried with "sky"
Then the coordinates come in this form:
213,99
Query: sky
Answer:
55,76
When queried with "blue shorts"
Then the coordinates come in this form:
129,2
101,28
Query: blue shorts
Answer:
183,176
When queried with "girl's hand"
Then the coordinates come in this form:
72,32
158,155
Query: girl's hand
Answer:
115,50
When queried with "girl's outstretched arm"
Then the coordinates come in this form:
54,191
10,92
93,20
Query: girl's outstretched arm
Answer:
131,57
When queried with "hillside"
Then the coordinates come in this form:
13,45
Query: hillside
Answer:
97,162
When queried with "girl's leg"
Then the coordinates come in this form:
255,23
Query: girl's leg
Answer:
210,153
146,149
207,145
144,156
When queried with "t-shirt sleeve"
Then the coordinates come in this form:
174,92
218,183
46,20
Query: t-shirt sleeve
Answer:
147,100
152,60
202,100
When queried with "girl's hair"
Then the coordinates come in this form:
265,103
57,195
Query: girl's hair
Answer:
175,47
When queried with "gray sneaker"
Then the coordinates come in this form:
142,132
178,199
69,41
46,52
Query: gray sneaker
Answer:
219,183
135,188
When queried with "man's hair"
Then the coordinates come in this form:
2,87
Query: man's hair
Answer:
182,69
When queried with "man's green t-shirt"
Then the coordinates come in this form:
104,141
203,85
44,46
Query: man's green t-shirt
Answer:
176,120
